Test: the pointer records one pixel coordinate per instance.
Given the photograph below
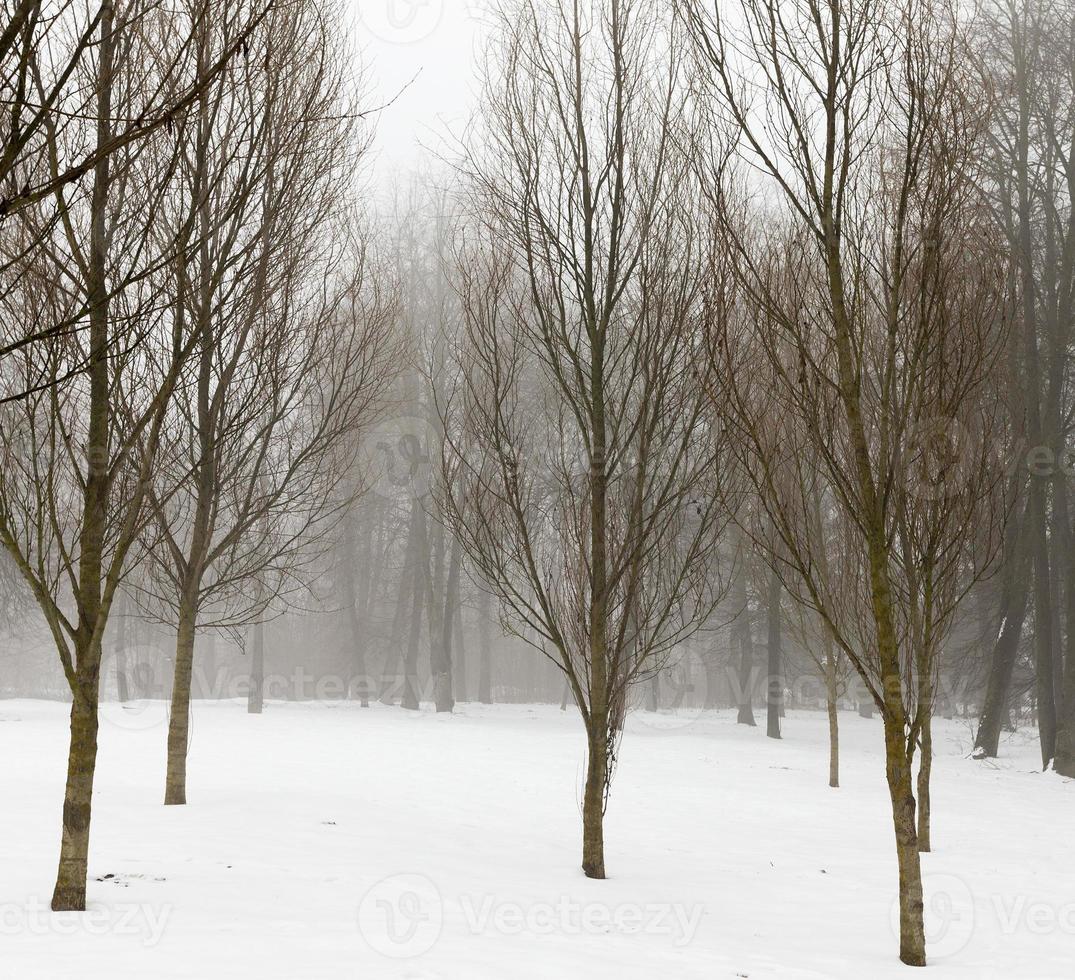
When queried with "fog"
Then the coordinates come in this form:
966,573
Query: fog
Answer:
537,488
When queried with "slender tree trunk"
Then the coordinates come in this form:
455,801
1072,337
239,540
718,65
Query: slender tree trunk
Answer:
70,891
123,687
743,637
485,665
774,688
409,698
391,674
925,768
832,680
1043,628
1064,762
442,666
746,670
601,672
255,698
460,678
350,599
175,785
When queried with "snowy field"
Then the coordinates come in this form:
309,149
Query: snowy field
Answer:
334,842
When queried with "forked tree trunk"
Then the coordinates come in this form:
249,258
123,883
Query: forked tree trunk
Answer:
995,708
175,785
70,891
912,930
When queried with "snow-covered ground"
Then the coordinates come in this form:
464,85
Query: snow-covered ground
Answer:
324,842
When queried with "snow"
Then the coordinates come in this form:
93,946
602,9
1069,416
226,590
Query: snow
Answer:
329,841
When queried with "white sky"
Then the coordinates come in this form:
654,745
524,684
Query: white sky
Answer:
435,39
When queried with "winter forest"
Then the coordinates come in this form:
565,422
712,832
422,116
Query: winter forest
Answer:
632,538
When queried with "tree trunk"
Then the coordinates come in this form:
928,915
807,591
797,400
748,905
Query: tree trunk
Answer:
1043,627
774,688
995,709
485,666
593,801
409,698
70,891
123,687
743,633
255,698
460,678
746,669
925,767
912,930
1064,761
175,785
442,665
391,674
352,595
832,693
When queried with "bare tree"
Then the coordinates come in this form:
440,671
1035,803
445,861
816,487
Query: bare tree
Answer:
867,298
580,461
80,448
295,346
